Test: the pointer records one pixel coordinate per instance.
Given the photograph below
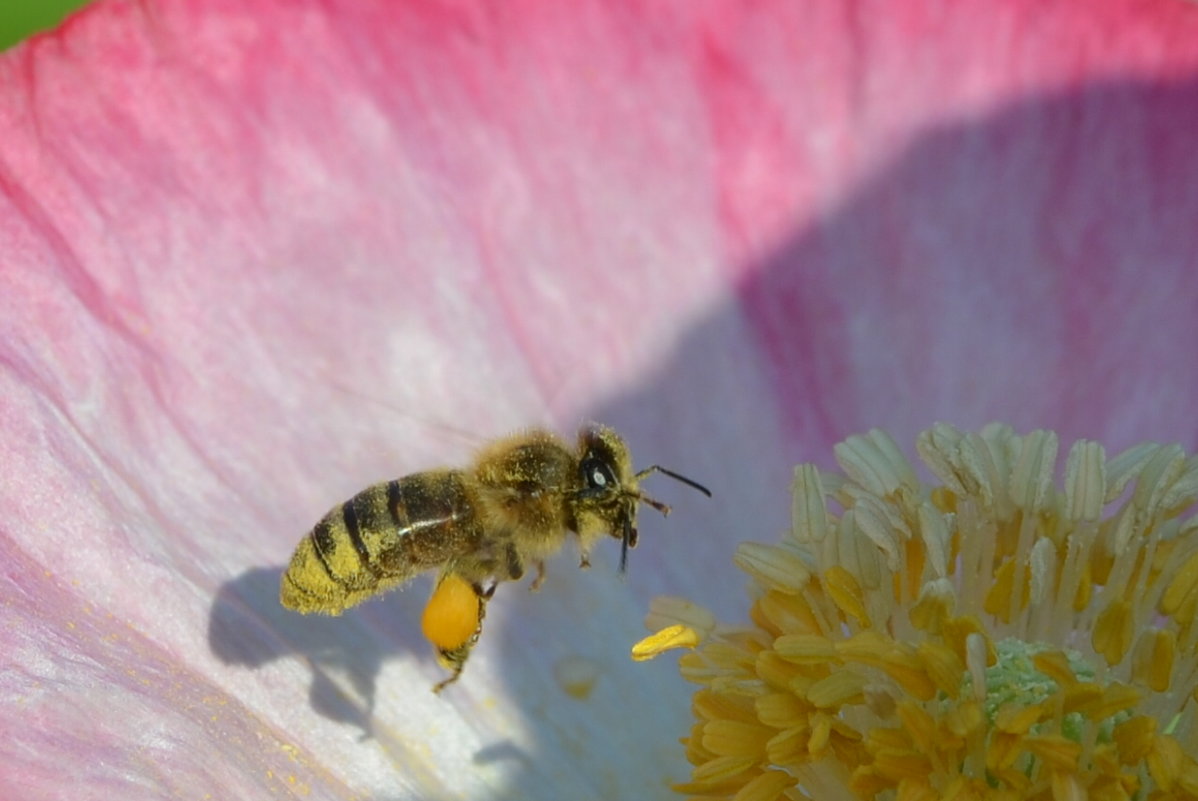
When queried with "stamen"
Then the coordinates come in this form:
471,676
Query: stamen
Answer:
993,636
667,639
777,567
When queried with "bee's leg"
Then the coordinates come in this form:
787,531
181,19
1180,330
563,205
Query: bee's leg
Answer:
515,567
454,659
540,579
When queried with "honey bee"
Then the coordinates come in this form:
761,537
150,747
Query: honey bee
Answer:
511,509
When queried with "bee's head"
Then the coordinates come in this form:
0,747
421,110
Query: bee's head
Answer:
608,488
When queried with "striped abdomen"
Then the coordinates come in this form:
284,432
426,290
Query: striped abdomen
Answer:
378,539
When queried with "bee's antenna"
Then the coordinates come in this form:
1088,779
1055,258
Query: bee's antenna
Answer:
628,538
656,468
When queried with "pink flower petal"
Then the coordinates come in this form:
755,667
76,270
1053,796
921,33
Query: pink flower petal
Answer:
254,258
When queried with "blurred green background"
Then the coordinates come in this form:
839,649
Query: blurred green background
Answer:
21,18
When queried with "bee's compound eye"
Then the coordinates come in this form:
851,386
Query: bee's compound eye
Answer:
453,613
597,475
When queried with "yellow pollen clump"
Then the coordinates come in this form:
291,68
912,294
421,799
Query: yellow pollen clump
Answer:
453,613
998,635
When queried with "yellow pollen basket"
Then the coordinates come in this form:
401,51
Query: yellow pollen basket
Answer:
453,613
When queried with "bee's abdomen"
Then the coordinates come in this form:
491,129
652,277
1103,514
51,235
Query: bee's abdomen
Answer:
378,539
